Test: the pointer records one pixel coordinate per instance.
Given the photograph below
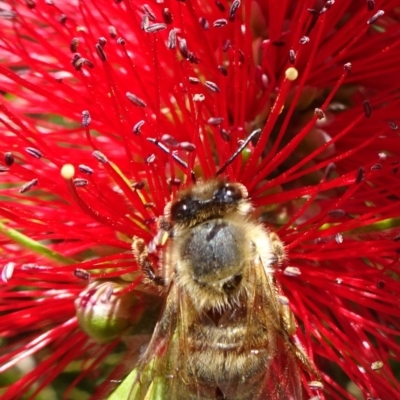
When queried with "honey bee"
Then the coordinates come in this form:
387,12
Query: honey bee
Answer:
224,332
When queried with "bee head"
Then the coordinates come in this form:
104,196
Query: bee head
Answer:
215,199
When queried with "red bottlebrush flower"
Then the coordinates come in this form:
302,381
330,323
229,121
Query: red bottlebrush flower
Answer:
108,108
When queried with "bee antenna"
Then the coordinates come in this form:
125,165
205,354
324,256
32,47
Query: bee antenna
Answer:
179,160
237,152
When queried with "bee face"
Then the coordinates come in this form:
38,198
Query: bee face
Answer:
211,245
215,198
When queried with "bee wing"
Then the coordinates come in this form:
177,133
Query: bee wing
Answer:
282,371
154,374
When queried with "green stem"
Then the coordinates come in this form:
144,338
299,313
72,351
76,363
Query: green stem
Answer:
385,224
34,246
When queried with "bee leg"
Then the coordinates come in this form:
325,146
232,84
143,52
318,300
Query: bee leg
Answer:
278,249
289,326
141,254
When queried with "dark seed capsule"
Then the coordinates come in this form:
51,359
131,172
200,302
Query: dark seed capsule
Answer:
82,274
183,48
313,11
28,186
7,271
378,14
86,119
149,12
329,3
76,63
150,159
99,156
34,152
367,108
220,23
212,86
339,238
145,22
3,169
204,23
85,169
174,181
138,185
75,58
169,140
393,126
193,80
137,127
62,19
380,284
234,7
347,67
226,45
338,213
121,41
171,41
292,271
30,4
327,6
100,52
220,5
74,45
79,182
187,146
304,40
223,70
215,120
192,58
319,113
370,4
8,158
360,175
81,62
153,28
166,13
397,238
376,167
135,100
198,97
225,135
8,15
112,31
292,56
102,41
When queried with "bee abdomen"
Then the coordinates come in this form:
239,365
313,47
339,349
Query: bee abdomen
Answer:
227,358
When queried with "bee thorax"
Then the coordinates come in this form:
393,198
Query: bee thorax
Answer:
213,253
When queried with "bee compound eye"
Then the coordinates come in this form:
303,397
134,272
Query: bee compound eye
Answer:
183,209
228,194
